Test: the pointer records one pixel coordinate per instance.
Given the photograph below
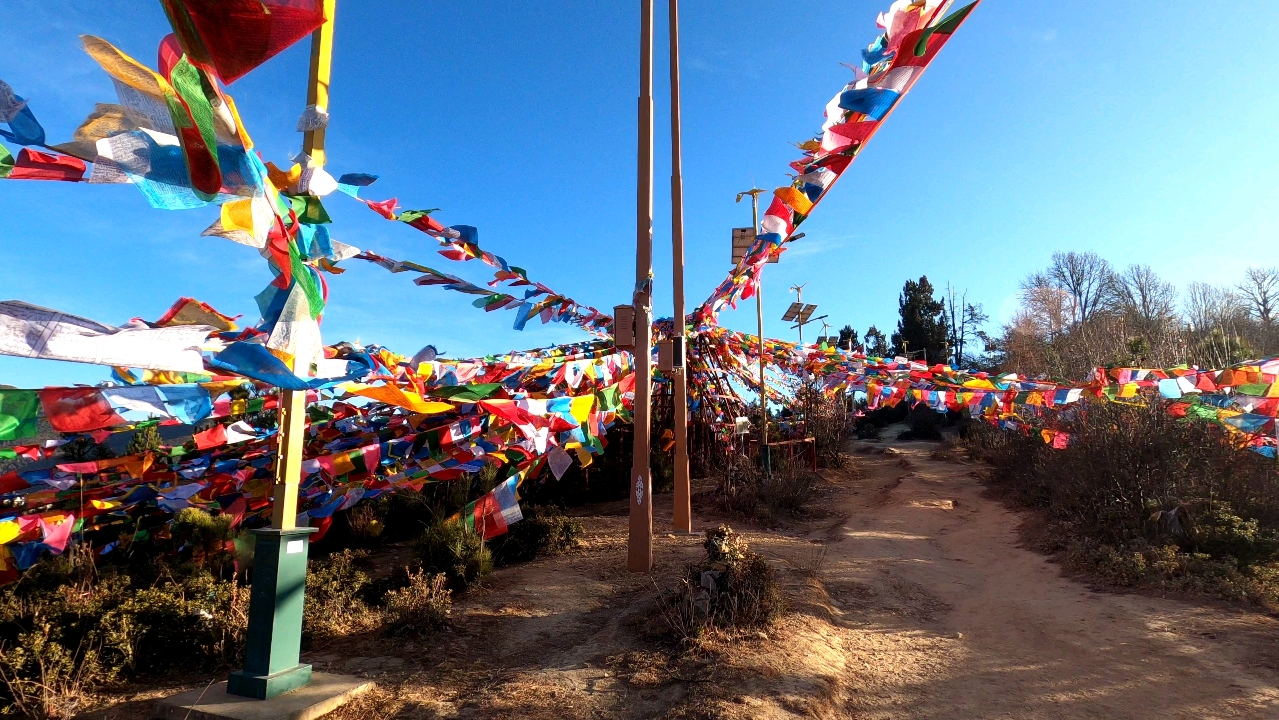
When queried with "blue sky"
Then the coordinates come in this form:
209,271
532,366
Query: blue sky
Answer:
1143,133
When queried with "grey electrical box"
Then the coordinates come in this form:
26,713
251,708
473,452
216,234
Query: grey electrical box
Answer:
664,356
624,326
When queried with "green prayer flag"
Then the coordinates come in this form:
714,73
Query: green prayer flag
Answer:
303,277
309,209
18,412
6,162
409,216
609,399
472,393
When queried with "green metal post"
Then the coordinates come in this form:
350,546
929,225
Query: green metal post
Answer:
271,664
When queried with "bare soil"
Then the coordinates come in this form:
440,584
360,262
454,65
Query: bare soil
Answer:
910,596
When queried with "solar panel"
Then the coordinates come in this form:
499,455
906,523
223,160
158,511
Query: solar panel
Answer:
743,238
792,312
806,313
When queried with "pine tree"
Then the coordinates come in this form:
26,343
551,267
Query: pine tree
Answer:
922,325
847,338
876,343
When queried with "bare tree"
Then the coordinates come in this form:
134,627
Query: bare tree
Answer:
1086,276
1046,310
965,322
1139,293
1211,306
1260,289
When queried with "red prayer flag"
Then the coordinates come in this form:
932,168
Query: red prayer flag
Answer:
386,208
36,165
856,132
235,36
77,410
323,524
211,438
11,482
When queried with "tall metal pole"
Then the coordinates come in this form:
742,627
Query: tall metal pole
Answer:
639,556
799,298
759,316
683,516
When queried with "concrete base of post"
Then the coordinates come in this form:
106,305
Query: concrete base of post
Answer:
324,694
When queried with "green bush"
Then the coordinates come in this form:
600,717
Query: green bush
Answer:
207,537
457,552
1219,532
543,531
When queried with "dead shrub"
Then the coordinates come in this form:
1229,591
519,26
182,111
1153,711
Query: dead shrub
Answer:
951,450
544,531
420,608
1142,498
766,497
732,588
46,680
335,590
367,523
825,419
457,551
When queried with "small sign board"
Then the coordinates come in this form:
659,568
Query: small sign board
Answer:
624,326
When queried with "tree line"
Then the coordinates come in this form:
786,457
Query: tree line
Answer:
1080,313
935,330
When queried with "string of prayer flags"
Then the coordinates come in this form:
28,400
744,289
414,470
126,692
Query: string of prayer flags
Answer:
913,34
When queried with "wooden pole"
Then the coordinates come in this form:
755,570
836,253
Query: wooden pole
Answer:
639,556
288,461
683,516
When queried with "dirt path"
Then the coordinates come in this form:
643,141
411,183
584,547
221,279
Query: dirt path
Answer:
948,617
910,598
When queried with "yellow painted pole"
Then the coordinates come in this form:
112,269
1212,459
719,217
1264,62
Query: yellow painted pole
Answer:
288,461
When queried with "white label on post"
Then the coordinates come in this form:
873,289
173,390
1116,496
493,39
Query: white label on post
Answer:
294,546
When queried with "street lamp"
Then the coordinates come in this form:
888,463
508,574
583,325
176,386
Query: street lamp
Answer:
759,314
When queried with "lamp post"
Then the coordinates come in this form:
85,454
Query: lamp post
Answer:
759,316
274,641
639,551
683,515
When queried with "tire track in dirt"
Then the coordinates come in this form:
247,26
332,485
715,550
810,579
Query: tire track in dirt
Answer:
949,617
